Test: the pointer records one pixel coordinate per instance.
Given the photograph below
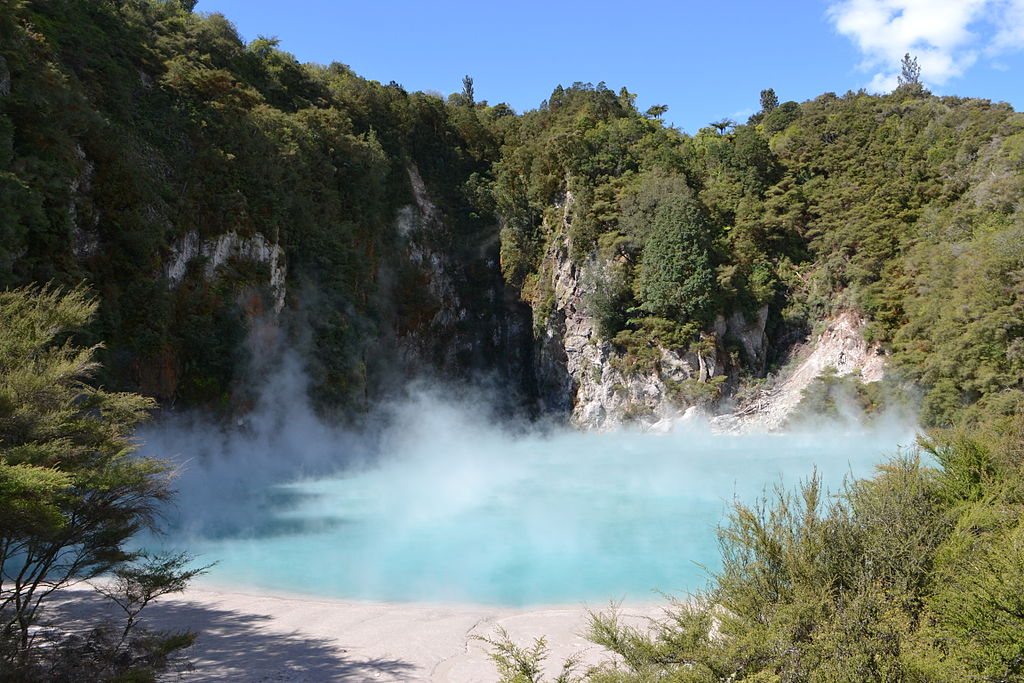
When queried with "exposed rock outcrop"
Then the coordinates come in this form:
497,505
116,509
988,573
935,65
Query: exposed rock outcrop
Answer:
595,384
457,316
5,78
841,346
85,238
748,333
219,250
588,379
585,377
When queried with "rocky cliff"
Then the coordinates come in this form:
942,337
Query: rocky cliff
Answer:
590,380
453,316
840,349
599,386
587,378
212,192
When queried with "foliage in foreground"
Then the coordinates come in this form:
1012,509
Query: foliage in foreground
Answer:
916,574
72,492
525,664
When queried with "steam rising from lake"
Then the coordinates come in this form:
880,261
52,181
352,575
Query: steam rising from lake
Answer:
442,504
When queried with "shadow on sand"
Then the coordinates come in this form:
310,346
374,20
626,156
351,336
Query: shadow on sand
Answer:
238,646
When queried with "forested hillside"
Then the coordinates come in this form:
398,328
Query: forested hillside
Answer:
199,185
906,206
207,190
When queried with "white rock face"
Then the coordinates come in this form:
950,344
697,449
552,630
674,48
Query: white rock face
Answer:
588,381
84,238
749,333
589,384
840,346
227,246
583,375
419,191
182,252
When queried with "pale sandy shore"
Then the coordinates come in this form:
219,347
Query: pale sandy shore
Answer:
249,636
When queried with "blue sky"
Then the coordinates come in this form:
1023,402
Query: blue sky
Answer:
704,60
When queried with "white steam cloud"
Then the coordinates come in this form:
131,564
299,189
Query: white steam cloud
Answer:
436,501
946,36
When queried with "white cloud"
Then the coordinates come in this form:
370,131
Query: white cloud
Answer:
946,36
1010,18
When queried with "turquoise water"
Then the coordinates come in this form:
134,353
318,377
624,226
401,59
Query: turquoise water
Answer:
446,507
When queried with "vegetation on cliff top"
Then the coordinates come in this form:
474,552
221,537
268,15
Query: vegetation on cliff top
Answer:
130,126
888,203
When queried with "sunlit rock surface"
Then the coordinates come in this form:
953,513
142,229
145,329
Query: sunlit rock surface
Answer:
840,346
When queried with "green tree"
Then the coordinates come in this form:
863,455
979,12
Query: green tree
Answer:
910,71
675,278
72,488
781,116
769,100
